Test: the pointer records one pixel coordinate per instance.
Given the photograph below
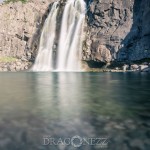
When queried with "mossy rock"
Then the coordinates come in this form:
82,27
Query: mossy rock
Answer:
7,59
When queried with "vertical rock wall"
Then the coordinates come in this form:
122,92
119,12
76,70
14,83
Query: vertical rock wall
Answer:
117,30
20,29
108,23
137,42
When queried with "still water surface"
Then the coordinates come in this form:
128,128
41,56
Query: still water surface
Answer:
115,106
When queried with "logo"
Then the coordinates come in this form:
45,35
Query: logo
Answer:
76,141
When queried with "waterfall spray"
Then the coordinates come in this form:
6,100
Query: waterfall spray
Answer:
44,59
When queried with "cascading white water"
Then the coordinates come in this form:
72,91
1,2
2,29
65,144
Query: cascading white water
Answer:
44,59
70,42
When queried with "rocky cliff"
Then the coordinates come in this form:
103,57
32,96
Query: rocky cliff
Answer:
21,25
116,31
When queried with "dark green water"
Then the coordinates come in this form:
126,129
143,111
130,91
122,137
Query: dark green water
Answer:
115,106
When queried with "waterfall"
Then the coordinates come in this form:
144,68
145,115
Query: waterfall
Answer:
70,42
70,39
44,61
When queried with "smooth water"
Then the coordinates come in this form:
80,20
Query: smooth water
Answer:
62,105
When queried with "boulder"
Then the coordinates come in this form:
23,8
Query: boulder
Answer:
143,67
134,67
146,69
103,54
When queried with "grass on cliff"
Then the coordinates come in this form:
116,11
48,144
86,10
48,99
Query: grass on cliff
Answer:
7,59
8,1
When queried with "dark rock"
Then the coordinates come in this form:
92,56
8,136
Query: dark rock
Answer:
143,67
121,25
134,67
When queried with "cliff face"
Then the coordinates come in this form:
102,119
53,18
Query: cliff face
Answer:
117,30
21,26
137,42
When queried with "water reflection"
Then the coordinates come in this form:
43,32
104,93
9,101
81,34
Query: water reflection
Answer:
33,105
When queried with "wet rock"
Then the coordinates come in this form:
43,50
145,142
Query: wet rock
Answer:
134,67
143,67
116,68
146,69
102,54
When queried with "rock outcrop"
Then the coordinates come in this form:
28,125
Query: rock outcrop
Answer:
137,42
21,25
122,26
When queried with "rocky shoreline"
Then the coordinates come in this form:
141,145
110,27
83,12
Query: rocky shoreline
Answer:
144,67
15,65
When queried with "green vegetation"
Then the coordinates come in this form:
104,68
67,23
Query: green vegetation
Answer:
8,1
7,59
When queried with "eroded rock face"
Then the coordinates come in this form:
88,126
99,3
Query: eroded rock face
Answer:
21,26
102,54
108,23
17,65
137,42
122,26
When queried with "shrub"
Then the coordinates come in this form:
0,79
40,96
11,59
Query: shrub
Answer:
8,1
